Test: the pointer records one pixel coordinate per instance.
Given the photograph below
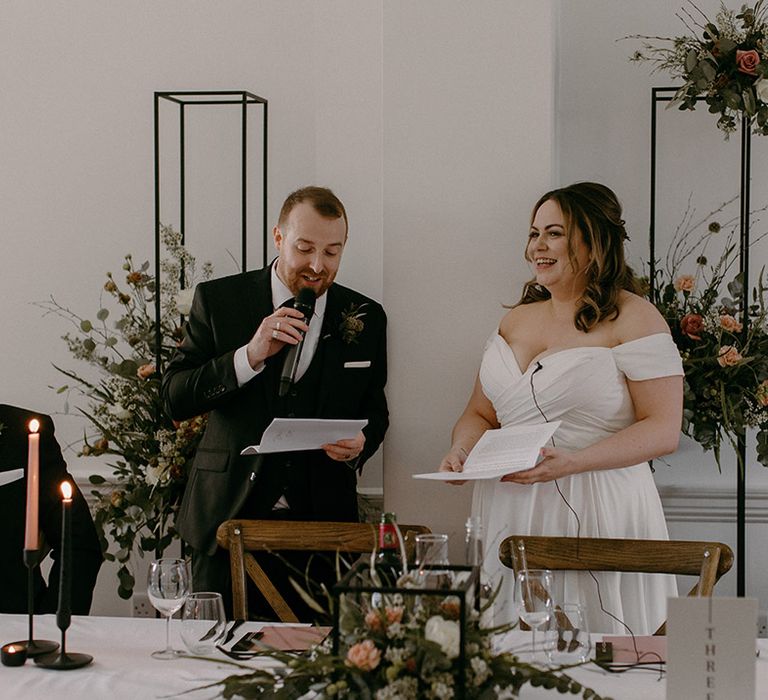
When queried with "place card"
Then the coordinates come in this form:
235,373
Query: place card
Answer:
711,648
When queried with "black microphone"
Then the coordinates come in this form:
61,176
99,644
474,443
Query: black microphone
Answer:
305,302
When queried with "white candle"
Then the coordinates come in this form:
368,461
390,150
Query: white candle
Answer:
32,537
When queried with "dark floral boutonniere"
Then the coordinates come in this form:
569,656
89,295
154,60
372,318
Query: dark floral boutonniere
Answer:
352,324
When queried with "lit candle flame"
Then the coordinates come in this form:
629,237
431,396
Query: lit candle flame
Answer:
66,490
34,425
12,649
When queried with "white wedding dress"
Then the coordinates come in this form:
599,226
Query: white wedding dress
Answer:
585,388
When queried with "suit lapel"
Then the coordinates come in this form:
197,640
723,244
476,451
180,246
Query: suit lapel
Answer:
259,308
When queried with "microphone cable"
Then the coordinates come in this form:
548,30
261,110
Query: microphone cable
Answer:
539,367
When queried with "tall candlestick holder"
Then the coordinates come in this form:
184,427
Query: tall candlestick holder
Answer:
34,647
64,661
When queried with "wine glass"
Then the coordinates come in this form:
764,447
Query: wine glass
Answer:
167,588
533,599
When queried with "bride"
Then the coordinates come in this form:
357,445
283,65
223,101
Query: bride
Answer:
583,348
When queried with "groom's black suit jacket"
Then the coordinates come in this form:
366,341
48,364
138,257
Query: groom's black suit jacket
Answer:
86,552
201,379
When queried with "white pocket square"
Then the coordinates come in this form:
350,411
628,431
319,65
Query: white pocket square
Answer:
357,365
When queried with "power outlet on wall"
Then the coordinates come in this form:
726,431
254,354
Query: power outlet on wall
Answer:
141,605
762,624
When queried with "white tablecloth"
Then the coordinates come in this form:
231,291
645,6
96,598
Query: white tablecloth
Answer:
122,668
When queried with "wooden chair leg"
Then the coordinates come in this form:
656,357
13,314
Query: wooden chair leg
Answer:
708,576
237,571
707,579
268,590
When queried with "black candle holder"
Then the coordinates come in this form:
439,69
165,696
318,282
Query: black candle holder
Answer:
63,661
33,647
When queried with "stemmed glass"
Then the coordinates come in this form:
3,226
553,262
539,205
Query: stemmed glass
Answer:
533,599
167,588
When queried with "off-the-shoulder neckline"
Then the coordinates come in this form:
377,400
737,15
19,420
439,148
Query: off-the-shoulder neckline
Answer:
540,357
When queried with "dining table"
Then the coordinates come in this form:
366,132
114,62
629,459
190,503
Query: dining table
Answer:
122,668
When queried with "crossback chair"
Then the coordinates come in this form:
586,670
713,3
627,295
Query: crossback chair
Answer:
707,560
242,537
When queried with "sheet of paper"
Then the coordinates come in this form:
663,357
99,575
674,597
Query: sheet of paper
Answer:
292,434
10,476
500,452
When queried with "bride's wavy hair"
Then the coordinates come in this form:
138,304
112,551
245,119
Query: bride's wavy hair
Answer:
592,210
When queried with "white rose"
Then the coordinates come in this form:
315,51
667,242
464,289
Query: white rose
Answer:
761,90
184,300
444,632
119,412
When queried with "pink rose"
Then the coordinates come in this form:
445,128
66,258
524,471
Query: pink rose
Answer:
730,324
394,614
373,620
363,655
145,371
729,356
685,283
692,325
747,61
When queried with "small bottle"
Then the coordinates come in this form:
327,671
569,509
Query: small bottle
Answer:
389,562
473,541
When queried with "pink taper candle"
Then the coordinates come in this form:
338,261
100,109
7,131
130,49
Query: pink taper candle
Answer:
31,537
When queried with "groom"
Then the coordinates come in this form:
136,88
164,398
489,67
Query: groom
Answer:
229,365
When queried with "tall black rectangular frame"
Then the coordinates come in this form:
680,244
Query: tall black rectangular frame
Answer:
666,94
214,97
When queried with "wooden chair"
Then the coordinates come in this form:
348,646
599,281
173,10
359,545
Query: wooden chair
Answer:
707,560
241,537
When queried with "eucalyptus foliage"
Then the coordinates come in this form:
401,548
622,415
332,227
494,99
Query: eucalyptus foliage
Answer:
119,394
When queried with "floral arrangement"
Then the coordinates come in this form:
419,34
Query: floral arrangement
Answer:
401,647
726,364
123,406
352,324
726,61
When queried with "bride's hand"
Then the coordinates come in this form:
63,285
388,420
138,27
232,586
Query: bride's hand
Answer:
554,463
454,462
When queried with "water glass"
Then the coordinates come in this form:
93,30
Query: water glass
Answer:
566,639
431,554
202,622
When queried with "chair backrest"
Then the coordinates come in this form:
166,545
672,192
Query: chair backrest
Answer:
707,560
241,537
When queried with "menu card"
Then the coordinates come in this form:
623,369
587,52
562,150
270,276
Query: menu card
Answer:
711,648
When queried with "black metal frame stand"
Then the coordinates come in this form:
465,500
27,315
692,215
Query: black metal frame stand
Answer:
659,94
216,97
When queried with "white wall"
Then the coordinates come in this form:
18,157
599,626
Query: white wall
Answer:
468,128
603,133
